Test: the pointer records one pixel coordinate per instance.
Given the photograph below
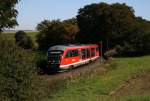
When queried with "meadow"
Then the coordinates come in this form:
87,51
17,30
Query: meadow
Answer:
121,72
12,35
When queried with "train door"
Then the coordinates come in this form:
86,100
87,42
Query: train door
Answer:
85,54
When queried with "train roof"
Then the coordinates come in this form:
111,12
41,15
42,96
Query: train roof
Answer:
63,47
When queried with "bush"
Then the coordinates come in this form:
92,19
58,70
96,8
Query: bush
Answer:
42,65
23,40
110,53
18,77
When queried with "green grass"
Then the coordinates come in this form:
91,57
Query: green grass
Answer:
9,35
32,35
97,87
12,35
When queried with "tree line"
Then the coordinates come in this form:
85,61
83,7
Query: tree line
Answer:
114,24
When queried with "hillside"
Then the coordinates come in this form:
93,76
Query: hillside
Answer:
126,79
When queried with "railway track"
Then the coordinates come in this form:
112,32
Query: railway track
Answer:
74,71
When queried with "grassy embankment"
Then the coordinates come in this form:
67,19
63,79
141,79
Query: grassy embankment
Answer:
99,87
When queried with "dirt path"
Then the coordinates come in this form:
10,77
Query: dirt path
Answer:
137,85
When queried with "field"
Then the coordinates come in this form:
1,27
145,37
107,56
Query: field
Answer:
121,79
12,35
126,79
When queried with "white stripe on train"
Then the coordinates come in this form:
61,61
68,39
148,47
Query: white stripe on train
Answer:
81,62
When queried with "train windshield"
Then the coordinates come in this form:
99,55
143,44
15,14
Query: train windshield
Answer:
54,56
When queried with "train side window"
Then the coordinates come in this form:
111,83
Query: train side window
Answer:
72,53
75,53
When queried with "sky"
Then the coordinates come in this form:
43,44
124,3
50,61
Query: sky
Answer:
32,12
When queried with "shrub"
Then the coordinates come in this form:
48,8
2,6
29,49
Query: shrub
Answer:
18,77
20,35
23,40
110,53
42,65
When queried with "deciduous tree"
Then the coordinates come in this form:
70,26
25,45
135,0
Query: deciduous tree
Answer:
56,32
8,14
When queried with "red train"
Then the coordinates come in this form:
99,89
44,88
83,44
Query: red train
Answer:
70,56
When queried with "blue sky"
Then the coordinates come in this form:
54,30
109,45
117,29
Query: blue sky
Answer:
32,12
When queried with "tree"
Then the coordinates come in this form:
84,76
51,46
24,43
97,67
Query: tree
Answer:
72,28
104,21
50,33
56,32
140,37
8,14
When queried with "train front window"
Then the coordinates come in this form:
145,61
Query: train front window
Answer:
54,56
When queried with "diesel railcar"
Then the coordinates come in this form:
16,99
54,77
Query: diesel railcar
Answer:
71,56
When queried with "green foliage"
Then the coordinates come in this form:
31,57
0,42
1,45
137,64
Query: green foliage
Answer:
20,35
41,62
72,28
117,24
8,14
55,32
18,77
103,21
110,53
137,41
23,40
